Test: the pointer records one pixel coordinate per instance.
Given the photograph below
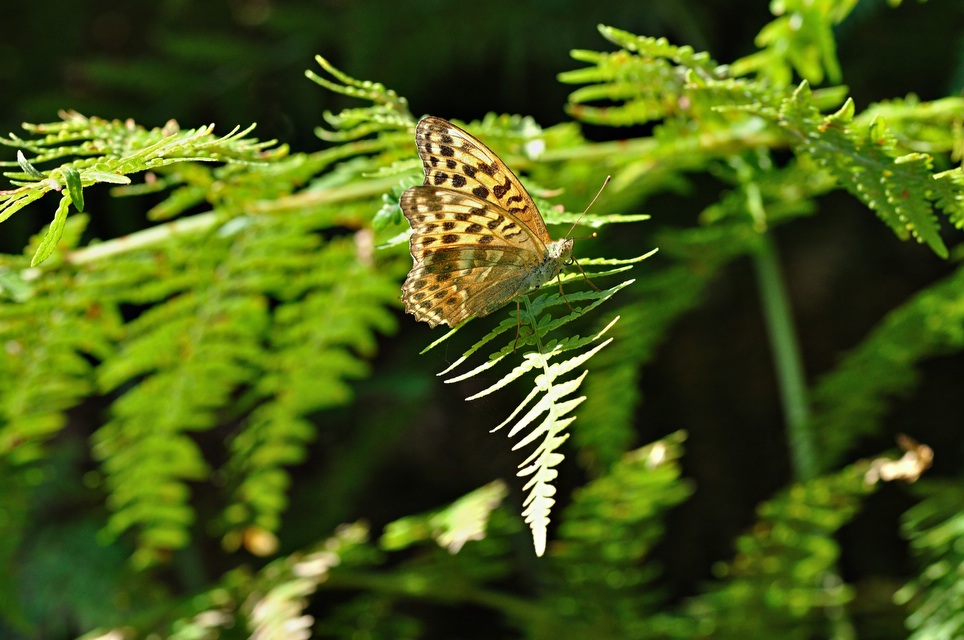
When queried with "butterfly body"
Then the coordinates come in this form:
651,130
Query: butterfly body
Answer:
478,239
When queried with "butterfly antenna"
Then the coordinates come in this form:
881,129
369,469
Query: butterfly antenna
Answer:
591,202
592,235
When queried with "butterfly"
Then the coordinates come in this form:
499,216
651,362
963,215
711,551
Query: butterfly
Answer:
478,240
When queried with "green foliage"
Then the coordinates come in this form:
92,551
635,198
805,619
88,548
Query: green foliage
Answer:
458,554
206,357
849,403
870,164
800,40
544,414
213,291
634,496
107,151
783,576
465,519
270,603
865,157
934,528
49,330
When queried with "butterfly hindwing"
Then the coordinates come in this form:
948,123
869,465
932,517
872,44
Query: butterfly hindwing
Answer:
470,257
450,290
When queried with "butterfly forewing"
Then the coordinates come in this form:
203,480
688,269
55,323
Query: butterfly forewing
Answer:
453,159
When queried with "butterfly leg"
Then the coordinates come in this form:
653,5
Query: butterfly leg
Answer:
584,276
563,293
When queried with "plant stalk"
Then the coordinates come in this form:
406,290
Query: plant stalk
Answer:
787,361
788,365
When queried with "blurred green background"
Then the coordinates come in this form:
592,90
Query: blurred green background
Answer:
234,63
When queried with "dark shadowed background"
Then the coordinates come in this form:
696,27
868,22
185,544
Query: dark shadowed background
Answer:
234,63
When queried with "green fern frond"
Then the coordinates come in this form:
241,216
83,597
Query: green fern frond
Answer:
50,329
800,39
934,529
631,498
783,574
197,359
546,411
513,323
187,357
949,191
464,520
647,76
921,126
108,152
897,186
707,112
335,318
214,289
388,111
850,402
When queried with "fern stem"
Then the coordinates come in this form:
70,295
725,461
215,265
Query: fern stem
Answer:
786,359
789,369
535,332
790,377
641,149
202,222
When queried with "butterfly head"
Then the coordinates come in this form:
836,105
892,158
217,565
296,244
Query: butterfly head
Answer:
560,251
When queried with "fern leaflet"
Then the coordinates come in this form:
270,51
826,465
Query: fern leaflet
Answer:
546,411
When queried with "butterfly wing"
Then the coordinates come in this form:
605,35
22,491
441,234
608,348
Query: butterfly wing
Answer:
454,159
471,256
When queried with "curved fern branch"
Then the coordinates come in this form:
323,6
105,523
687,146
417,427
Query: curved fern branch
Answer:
546,412
108,151
888,168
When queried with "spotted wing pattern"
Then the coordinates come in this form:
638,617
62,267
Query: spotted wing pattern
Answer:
454,159
478,240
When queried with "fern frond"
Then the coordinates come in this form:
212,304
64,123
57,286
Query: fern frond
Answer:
108,152
849,404
800,39
934,529
50,331
897,187
512,323
927,127
949,191
783,574
547,408
195,358
555,405
631,499
188,356
647,76
334,316
708,112
389,111
464,520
